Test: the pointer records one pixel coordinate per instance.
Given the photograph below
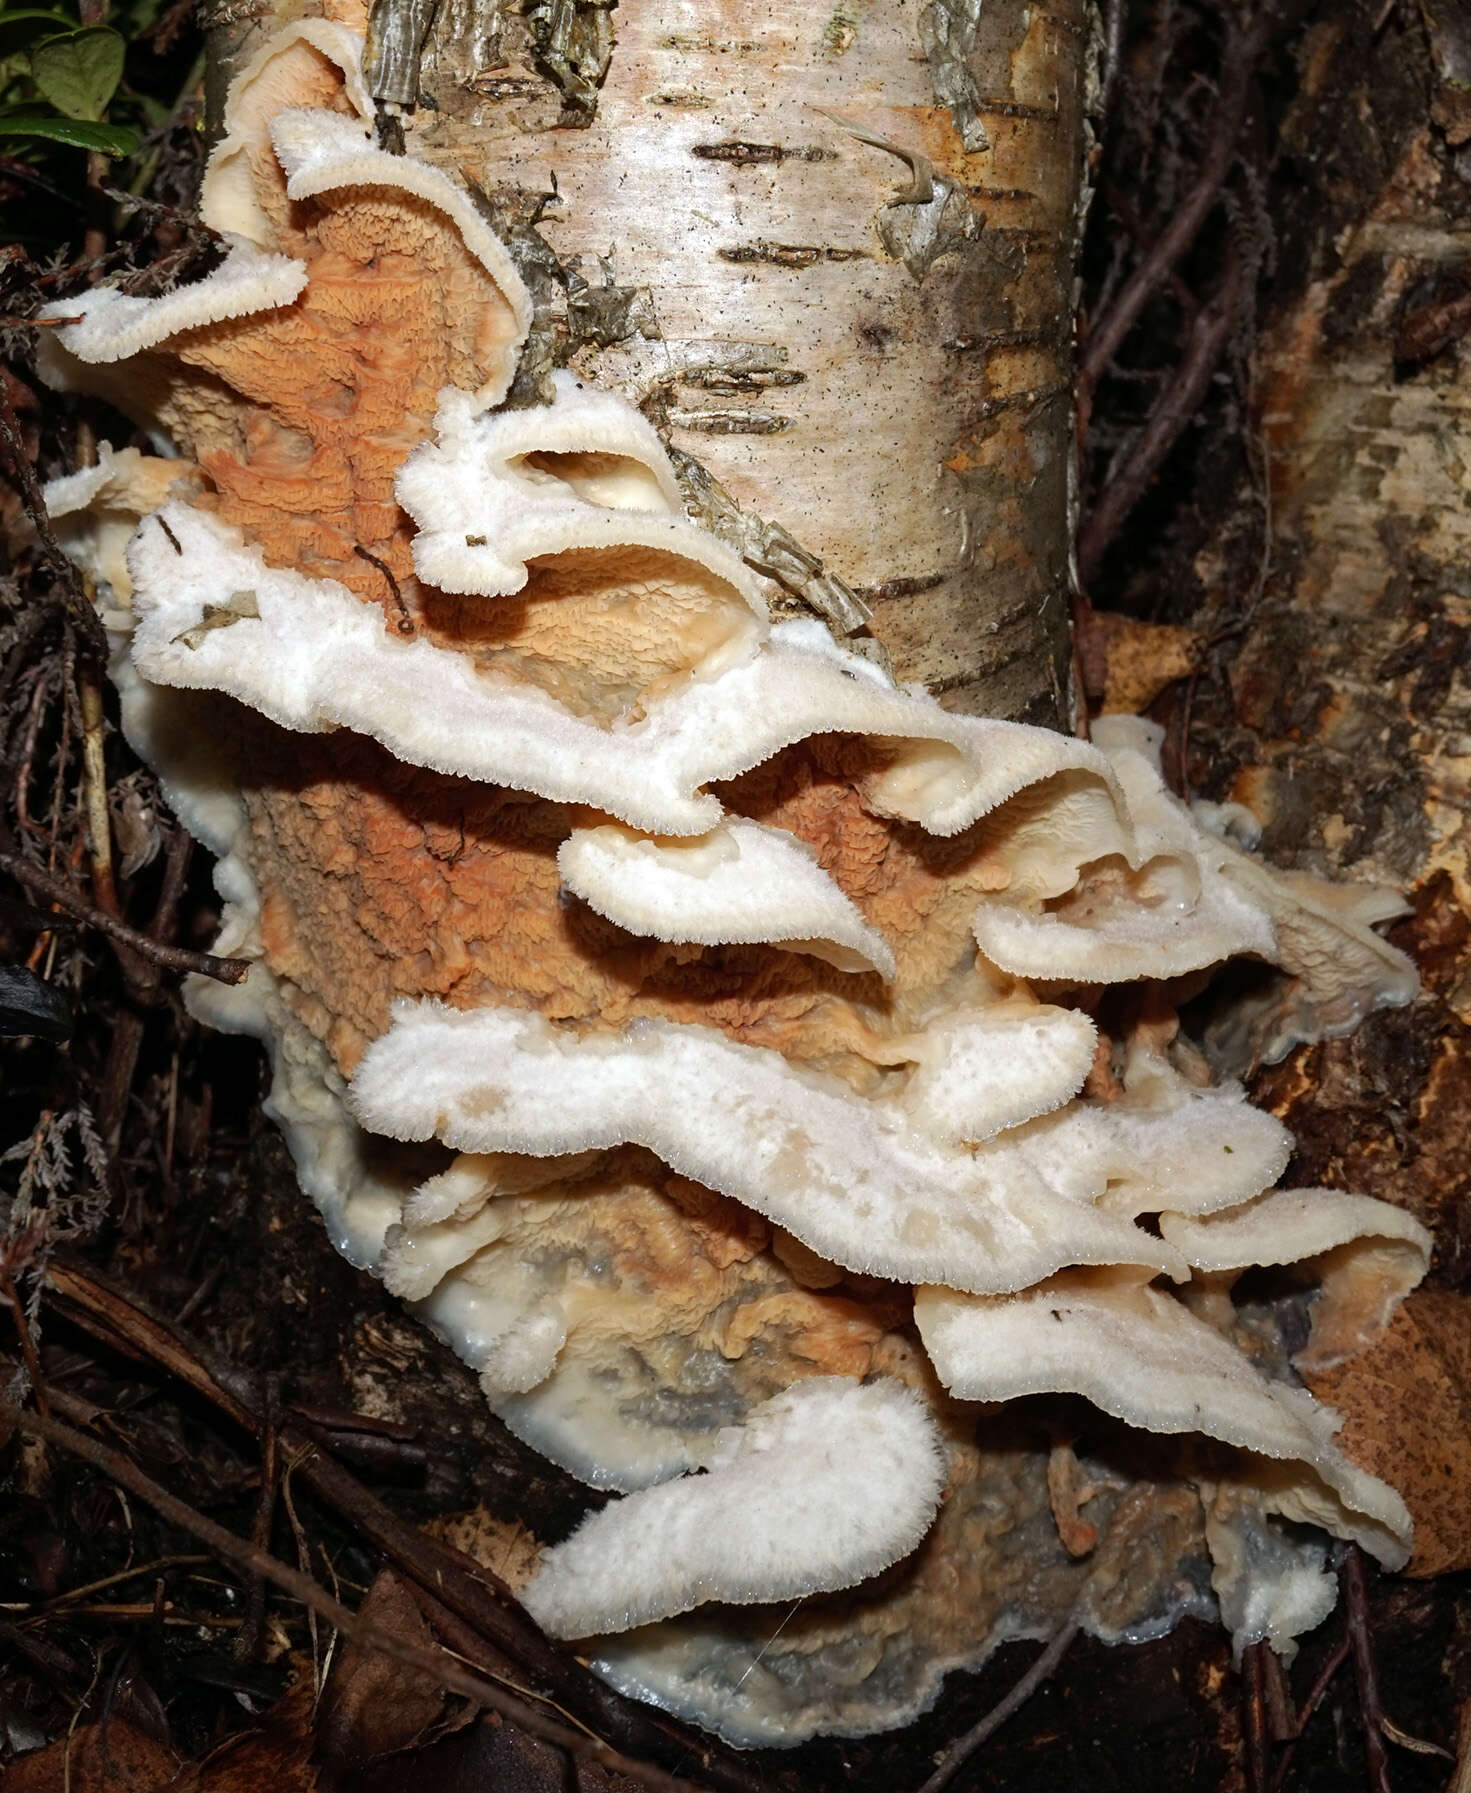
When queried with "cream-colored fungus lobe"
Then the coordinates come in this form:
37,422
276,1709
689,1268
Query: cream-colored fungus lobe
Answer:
747,1066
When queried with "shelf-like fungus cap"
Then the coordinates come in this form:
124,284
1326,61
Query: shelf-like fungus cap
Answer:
1140,1355
740,884
845,1176
821,1488
1367,1256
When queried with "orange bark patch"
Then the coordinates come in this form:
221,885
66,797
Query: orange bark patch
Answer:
328,396
920,892
383,881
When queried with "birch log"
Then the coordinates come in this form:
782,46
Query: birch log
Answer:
829,249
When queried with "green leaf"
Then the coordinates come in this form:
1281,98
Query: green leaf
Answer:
111,140
79,71
35,19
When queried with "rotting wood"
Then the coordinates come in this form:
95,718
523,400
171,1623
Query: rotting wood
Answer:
1337,701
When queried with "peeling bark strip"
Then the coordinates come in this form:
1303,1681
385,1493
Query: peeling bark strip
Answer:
396,33
1346,707
870,208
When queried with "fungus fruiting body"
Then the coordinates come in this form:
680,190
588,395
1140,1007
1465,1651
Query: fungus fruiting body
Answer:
783,1070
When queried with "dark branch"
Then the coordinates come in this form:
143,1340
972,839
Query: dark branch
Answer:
441,1668
473,1593
1040,1670
1209,336
23,474
1366,1672
171,958
1222,136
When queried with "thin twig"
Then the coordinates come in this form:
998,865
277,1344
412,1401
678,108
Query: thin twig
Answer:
435,1663
94,791
143,982
1460,1781
1122,207
1209,336
1222,134
1371,1713
1281,1720
60,1602
23,474
304,1563
1040,1670
474,1593
20,789
1324,1681
171,958
247,1645
27,1339
31,624
1258,1774
94,242
405,624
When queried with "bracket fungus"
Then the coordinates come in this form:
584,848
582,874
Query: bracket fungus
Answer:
757,1073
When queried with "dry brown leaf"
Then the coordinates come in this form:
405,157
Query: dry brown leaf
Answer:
504,1546
1129,663
490,1757
374,1705
274,1758
1406,1406
111,1758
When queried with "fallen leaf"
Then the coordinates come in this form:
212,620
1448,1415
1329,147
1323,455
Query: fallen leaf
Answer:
1127,663
504,1546
492,1757
111,1758
373,1705
1143,658
276,1757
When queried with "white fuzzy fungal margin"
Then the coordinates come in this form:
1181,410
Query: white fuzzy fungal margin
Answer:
111,326
1140,1355
820,1488
740,883
845,1176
